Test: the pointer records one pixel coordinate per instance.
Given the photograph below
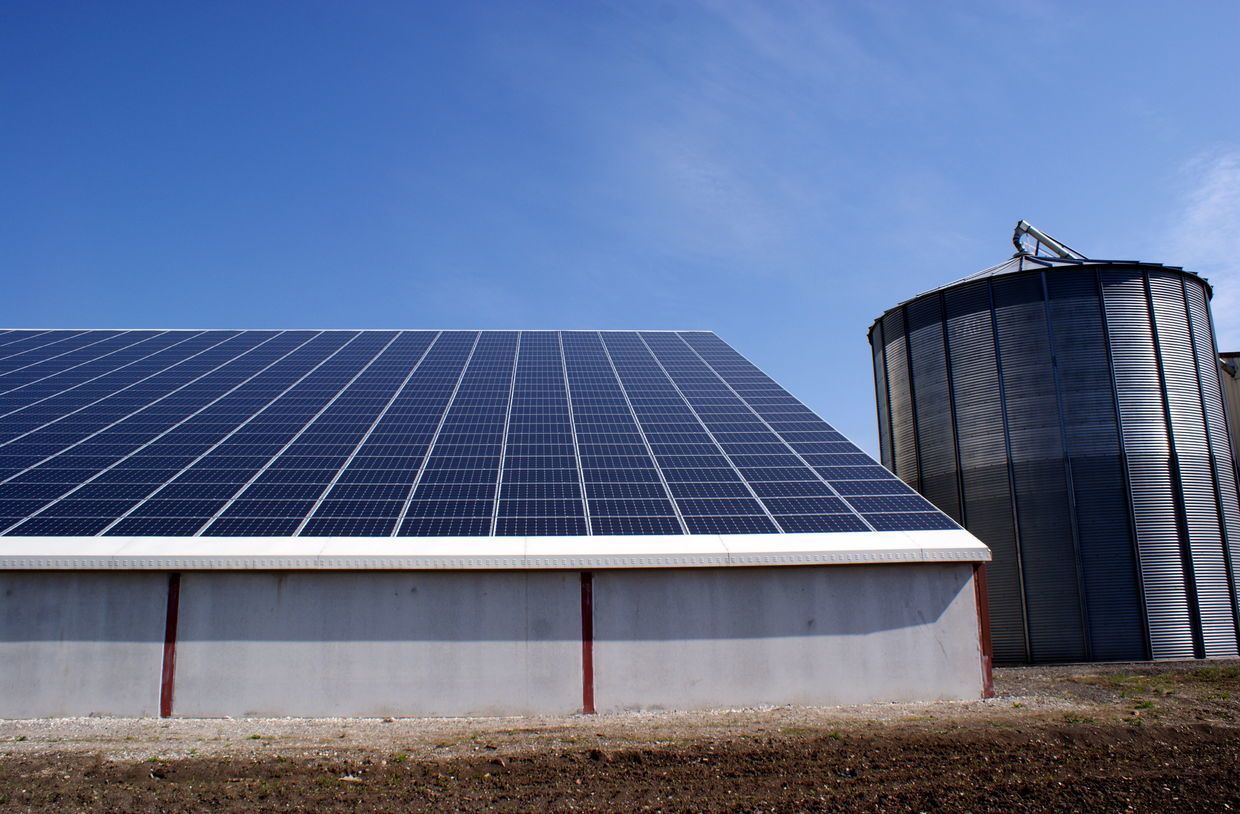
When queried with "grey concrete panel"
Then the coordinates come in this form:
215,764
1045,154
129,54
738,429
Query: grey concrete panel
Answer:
81,643
704,638
363,644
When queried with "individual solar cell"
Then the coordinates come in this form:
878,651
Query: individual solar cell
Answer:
86,508
541,491
635,525
43,491
631,508
808,505
366,492
803,488
720,506
20,508
349,527
156,527
911,521
820,523
177,508
893,503
266,491
60,526
871,487
445,527
360,508
268,508
739,524
459,491
540,526
448,508
540,508
718,490
252,527
833,473
625,490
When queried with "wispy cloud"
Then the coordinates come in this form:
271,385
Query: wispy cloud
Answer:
1205,234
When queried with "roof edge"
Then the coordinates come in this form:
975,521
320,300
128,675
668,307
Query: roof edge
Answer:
486,553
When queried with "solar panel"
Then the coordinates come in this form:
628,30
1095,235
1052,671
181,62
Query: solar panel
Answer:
419,434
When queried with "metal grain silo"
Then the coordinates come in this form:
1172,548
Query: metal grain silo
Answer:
1069,413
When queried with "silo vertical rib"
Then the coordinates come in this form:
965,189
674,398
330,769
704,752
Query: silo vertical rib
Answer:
900,395
1098,485
1066,457
1048,555
878,348
951,406
1209,396
1221,457
1144,428
981,433
1170,333
936,441
1123,460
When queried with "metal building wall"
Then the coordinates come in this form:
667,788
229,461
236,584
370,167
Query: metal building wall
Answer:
1073,420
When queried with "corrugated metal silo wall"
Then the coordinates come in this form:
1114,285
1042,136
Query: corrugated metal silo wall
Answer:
1073,420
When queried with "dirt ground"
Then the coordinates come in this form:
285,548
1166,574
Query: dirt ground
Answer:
1115,738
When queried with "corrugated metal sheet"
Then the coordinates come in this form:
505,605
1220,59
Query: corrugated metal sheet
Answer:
1056,629
1148,450
900,397
1221,449
984,461
936,435
1107,553
1191,459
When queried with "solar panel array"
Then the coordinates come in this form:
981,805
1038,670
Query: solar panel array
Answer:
419,433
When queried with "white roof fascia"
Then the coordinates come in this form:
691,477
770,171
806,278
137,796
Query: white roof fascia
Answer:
487,553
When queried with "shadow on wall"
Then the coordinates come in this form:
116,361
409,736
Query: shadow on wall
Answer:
653,605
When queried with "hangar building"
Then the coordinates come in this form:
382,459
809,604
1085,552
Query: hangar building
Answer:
385,522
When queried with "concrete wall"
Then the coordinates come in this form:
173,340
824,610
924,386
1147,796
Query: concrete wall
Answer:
375,644
81,643
486,643
744,637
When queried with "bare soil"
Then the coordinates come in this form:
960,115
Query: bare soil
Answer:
1112,738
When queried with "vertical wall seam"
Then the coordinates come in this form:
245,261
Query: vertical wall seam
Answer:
981,596
1007,446
1177,483
167,674
587,642
1073,521
1123,457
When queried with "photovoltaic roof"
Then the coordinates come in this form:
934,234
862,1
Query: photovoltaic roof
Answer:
412,434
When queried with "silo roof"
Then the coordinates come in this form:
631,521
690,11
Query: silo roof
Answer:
1026,262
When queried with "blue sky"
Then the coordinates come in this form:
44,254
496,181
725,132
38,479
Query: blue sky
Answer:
777,172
